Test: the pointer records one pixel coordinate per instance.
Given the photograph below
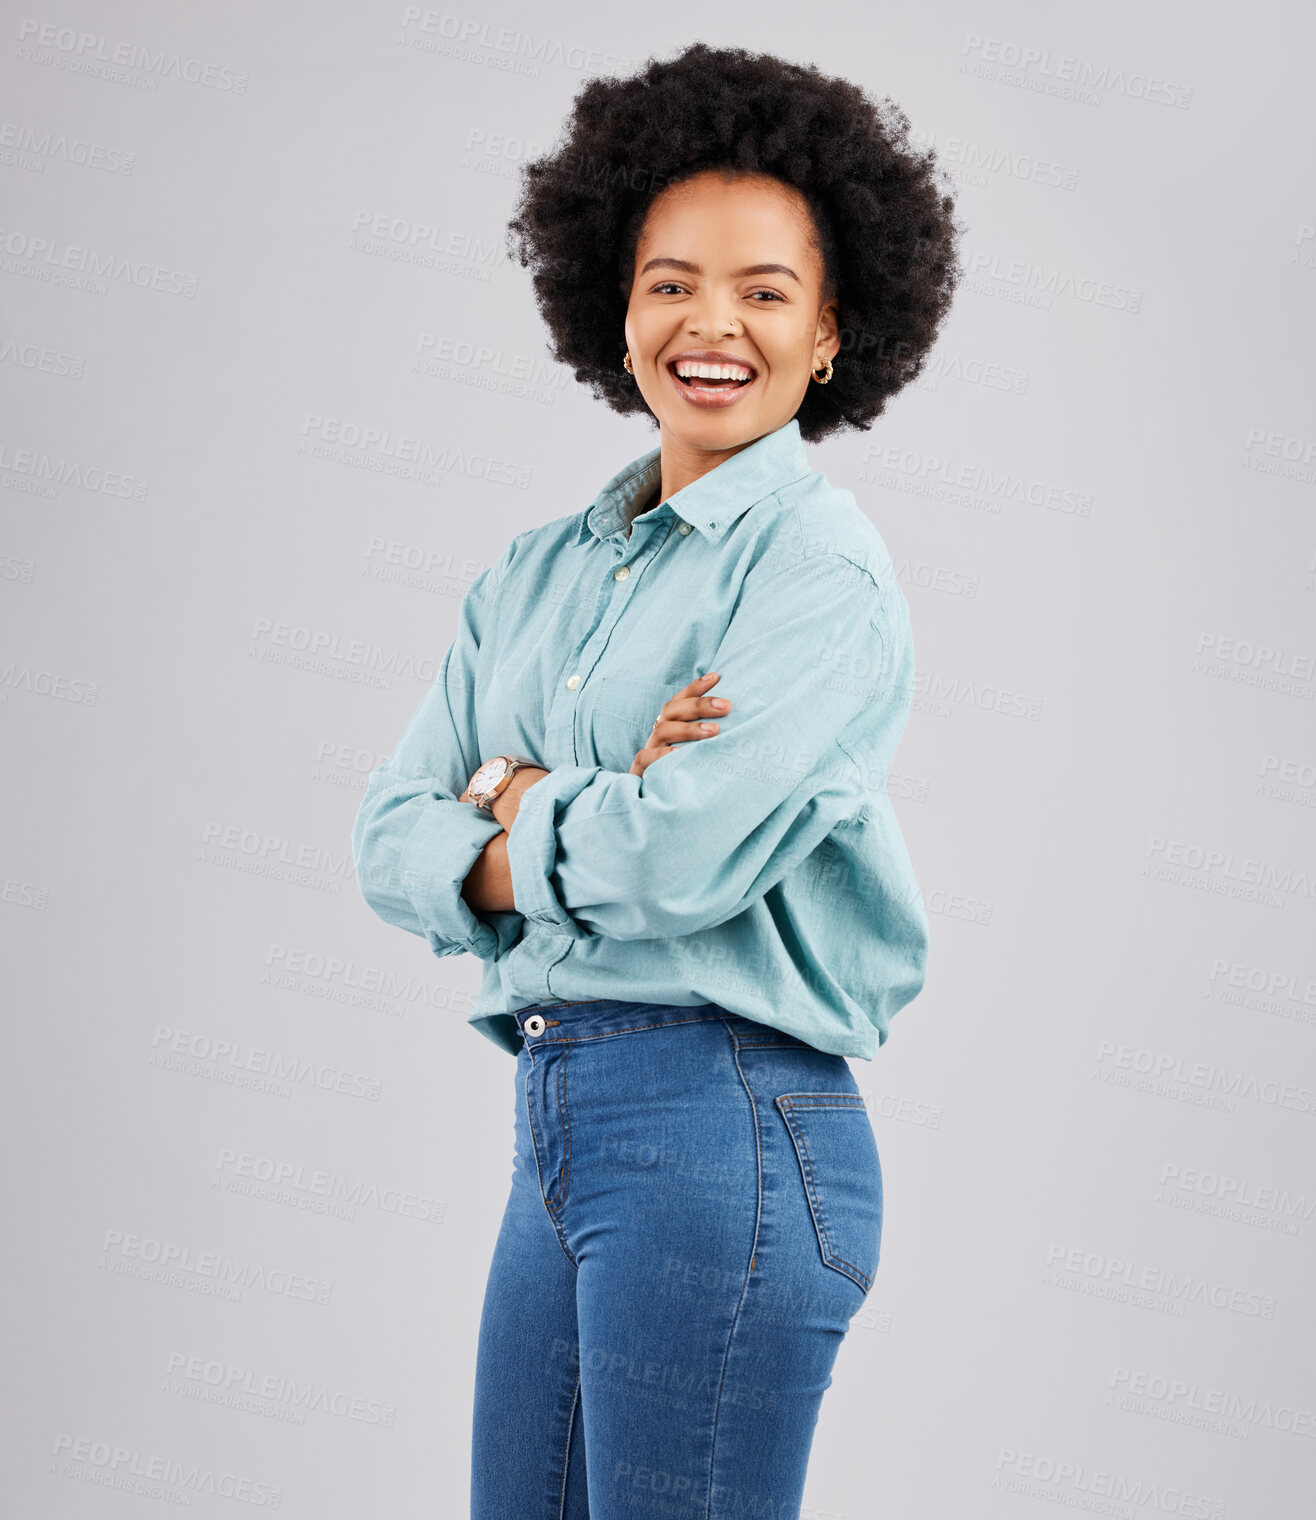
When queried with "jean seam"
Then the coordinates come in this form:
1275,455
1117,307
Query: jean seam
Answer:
793,1100
744,1288
566,1126
566,1447
534,1145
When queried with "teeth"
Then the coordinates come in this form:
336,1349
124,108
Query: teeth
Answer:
691,371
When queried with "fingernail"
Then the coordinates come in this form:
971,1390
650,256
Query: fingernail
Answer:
720,703
709,727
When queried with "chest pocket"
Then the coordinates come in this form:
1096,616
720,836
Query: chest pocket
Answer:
620,719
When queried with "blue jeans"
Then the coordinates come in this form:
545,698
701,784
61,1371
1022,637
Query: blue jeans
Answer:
695,1216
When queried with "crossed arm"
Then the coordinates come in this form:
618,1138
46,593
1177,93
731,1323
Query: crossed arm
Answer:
488,884
640,856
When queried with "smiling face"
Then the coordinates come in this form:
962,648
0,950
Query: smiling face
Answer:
727,293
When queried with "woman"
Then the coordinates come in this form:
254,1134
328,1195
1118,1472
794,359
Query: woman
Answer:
648,790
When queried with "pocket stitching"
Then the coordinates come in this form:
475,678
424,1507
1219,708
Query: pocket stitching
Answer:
786,1102
629,695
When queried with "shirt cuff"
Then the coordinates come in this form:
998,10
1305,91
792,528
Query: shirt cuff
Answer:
432,869
532,846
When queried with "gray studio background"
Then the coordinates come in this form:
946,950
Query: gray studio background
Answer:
274,396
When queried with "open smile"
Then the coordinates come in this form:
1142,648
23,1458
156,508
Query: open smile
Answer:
711,385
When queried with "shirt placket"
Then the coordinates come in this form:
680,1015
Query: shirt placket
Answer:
526,970
628,558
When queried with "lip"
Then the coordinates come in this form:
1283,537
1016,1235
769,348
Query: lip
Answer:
705,396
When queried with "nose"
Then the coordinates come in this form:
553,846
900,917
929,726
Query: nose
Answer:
711,317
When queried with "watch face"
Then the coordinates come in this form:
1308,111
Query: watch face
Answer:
489,774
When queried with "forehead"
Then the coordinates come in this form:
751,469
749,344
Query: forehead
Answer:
719,209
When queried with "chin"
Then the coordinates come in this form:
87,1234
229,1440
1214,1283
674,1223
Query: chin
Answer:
717,427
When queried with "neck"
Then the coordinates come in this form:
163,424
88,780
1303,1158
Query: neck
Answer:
683,463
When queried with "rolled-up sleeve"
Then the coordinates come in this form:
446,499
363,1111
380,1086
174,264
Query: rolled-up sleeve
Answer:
711,826
413,842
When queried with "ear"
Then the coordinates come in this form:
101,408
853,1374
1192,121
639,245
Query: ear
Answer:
827,342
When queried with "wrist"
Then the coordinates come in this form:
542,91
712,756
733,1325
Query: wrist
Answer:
508,801
492,777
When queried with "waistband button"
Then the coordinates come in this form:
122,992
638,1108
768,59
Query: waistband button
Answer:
534,1024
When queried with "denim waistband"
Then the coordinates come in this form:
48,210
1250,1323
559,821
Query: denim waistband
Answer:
598,1017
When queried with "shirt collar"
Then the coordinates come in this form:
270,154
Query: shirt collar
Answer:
713,502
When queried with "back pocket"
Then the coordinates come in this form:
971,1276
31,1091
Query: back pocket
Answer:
837,1152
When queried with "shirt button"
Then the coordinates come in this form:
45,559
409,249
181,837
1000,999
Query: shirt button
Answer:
684,528
620,575
573,682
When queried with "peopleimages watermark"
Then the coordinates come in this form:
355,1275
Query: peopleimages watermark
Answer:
176,1264
1062,74
421,23
1078,1486
111,1464
41,257
86,52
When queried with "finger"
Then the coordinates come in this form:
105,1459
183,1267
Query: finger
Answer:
694,707
677,731
647,756
690,698
685,709
700,684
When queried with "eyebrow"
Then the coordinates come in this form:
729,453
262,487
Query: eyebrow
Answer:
670,263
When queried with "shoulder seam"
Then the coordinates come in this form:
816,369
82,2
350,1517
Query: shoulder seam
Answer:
831,554
500,564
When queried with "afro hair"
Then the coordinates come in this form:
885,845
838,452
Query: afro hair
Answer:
884,223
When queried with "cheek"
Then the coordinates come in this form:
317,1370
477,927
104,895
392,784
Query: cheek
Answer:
789,351
788,366
644,322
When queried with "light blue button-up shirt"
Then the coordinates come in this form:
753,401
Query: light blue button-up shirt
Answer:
761,868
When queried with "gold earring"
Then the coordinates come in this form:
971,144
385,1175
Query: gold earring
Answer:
626,363
827,376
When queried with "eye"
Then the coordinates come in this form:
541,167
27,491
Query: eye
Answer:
666,284
776,296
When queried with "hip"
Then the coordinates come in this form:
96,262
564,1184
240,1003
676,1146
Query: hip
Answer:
624,1106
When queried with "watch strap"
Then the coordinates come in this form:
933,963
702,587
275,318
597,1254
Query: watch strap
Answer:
515,763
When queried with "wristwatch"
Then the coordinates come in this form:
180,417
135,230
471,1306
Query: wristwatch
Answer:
491,779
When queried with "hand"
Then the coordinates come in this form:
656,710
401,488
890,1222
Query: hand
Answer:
678,722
